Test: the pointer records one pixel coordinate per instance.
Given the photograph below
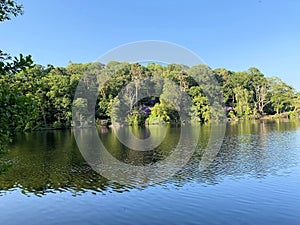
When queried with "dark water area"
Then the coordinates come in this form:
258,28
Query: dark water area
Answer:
253,179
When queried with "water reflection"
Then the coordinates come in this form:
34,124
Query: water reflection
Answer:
143,174
50,162
256,149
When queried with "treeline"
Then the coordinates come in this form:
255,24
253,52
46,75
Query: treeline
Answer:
38,97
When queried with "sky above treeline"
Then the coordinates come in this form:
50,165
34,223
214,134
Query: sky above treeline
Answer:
234,34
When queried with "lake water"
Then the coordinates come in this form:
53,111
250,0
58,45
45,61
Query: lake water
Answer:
253,179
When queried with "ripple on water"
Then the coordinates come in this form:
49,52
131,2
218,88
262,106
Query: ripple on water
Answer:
255,178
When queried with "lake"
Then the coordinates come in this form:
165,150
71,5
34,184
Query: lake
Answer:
253,178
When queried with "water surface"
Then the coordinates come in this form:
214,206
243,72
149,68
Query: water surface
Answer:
255,179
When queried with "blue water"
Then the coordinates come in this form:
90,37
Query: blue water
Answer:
255,179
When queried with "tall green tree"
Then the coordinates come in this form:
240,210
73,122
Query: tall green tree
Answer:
242,106
281,95
14,105
201,106
260,87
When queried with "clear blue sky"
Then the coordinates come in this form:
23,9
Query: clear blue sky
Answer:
235,34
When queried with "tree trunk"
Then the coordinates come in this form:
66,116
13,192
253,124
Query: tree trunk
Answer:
136,91
44,116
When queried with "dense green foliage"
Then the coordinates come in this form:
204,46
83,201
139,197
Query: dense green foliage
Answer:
38,97
42,97
14,104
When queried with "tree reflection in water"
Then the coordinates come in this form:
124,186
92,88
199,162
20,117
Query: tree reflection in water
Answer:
49,161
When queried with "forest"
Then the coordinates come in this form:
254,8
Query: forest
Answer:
37,97
34,97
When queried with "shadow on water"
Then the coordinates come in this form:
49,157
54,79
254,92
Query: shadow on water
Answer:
50,162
